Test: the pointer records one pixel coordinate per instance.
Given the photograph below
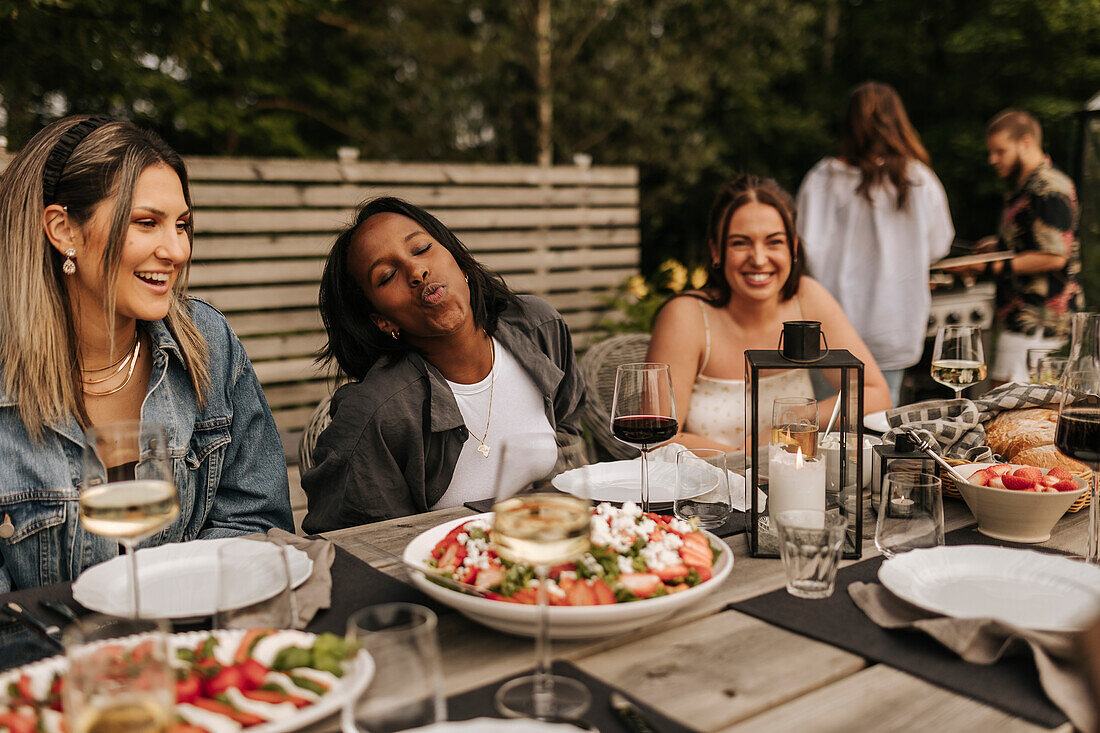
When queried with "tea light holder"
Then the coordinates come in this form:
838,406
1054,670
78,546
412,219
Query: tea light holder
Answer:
902,456
800,348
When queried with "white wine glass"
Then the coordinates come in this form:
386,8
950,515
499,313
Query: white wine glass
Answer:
643,411
536,526
127,492
958,359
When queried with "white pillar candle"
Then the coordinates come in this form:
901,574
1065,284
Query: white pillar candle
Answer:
794,482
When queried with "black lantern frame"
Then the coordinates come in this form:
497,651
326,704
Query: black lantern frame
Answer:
759,363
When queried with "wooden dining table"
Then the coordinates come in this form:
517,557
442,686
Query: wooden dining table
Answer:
715,669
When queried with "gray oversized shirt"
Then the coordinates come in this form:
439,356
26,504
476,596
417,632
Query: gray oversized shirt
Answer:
396,435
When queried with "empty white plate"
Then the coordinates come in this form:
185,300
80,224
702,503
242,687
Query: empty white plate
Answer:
177,580
876,421
621,481
1028,589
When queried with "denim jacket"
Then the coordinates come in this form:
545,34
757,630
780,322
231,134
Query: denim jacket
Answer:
227,459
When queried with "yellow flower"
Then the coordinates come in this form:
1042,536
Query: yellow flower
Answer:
698,277
676,275
637,286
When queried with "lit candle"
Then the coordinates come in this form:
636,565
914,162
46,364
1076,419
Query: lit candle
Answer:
901,506
794,482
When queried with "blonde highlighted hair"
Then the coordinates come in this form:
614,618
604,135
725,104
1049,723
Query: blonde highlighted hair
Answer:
38,343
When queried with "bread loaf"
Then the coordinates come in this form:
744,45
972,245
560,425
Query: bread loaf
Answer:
1048,456
1015,431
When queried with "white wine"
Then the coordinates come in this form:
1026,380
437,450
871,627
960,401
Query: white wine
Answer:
142,715
793,437
541,529
958,373
129,509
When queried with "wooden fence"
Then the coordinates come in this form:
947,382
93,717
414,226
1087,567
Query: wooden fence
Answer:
567,233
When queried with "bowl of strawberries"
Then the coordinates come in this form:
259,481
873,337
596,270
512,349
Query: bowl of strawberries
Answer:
1018,503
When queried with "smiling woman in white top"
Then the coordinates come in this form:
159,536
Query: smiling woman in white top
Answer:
872,221
755,283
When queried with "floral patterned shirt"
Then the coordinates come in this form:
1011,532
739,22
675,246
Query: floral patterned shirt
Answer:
1041,216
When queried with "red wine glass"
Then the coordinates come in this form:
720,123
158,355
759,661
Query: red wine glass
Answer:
1078,437
643,413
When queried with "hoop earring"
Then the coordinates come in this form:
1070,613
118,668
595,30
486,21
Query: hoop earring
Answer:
69,265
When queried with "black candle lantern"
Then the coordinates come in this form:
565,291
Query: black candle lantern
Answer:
800,349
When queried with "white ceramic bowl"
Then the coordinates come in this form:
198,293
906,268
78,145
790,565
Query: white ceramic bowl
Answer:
1015,516
566,622
832,460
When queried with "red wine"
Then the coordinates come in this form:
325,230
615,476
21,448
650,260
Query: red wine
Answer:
1078,435
644,430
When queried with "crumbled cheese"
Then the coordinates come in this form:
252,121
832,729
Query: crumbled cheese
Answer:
662,553
462,537
680,525
553,589
591,564
625,564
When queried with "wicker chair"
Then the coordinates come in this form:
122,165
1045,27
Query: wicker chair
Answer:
318,421
598,367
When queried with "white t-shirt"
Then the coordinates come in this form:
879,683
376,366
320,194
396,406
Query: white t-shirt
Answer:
874,257
517,408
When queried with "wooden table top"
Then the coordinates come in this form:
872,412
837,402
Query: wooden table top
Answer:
718,670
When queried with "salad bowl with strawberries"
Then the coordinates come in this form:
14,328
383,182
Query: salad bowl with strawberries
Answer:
1017,503
640,568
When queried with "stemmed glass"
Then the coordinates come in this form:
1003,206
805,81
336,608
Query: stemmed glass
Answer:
958,360
538,527
643,412
126,491
1078,436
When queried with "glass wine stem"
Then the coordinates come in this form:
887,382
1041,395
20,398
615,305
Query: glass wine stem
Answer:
645,483
543,689
1092,551
129,545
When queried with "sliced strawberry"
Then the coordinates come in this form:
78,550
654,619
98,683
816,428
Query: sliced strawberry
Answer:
248,643
227,710
524,595
18,722
603,593
642,585
223,680
676,571
696,551
997,482
489,576
189,688
1000,468
253,672
1060,473
557,570
275,697
1066,486
1018,483
1050,480
452,556
580,594
704,574
25,689
982,476
1028,472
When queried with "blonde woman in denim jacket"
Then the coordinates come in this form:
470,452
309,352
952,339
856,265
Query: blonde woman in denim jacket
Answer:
95,223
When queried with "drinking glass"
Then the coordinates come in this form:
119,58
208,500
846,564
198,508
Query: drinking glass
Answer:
1033,356
254,586
958,360
796,474
910,513
1078,437
643,412
127,491
1050,370
794,425
536,526
809,543
407,688
703,487
120,675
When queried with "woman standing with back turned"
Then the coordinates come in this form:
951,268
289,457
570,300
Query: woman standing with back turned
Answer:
872,221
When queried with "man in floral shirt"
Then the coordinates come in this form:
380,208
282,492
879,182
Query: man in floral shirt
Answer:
1037,290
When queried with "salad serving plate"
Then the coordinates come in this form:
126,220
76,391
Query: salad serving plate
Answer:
1028,589
565,622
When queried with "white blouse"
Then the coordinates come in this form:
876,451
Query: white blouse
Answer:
872,256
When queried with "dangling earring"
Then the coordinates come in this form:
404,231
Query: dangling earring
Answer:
69,265
396,334
466,278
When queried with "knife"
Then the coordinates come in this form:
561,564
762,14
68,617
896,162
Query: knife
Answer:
629,715
60,608
51,634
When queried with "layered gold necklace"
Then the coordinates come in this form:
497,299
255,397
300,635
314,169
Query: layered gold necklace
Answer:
89,378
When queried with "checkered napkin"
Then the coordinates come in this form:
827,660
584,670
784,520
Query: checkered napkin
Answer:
956,427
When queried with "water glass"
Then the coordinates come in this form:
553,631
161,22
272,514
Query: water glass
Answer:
910,514
120,675
407,689
809,543
1050,370
254,586
1033,356
702,487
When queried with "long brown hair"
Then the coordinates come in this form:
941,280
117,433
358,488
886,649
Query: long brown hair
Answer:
747,189
38,344
880,140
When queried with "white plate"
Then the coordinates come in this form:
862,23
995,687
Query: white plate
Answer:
566,622
621,481
1032,590
494,724
876,421
348,687
177,580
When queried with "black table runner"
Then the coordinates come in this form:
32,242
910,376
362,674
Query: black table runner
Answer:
1011,685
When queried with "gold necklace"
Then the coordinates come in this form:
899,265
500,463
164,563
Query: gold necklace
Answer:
129,361
122,363
483,449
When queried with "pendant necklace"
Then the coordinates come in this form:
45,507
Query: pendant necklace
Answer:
483,448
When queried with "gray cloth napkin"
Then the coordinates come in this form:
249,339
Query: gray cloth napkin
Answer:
955,427
983,641
316,592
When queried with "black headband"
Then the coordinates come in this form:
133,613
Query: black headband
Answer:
64,148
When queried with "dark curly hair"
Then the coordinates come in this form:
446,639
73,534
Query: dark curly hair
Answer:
355,343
